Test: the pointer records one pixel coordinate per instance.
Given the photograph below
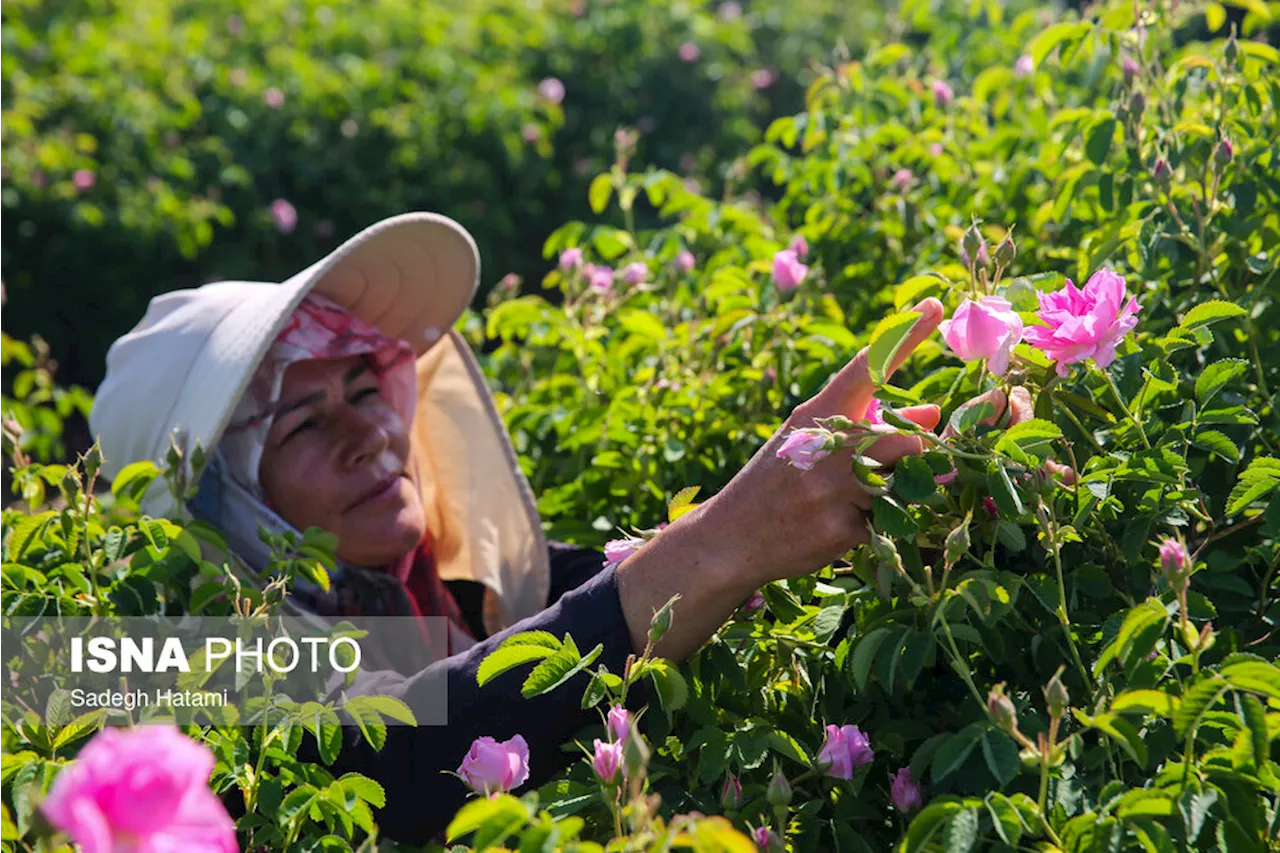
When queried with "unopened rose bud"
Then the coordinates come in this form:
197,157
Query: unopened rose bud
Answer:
972,242
731,793
1000,706
1055,695
1161,171
778,794
1006,251
957,544
1223,152
1175,564
1137,103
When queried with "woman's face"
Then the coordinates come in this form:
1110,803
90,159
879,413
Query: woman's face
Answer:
336,457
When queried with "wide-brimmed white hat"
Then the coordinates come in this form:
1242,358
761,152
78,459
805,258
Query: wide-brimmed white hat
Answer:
189,360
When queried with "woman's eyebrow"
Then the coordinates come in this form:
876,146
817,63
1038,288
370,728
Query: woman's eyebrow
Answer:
316,397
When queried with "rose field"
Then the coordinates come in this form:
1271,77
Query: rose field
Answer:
1064,631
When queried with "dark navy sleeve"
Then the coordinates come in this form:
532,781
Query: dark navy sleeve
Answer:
421,799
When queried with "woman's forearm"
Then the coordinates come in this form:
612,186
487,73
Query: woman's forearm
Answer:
689,557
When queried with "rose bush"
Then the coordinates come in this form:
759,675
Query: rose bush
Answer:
1062,635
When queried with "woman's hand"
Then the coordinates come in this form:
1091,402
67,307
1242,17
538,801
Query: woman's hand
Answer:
771,521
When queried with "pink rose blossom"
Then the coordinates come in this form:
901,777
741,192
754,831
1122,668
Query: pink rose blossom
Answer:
600,278
989,504
607,760
805,448
904,792
530,132
617,550
942,93
619,722
988,328
635,273
947,478
846,748
1173,556
1129,67
800,246
84,179
754,603
143,790
689,52
492,767
763,78
284,216
903,178
1025,66
788,272
936,149
570,259
872,414
552,89
731,11
1088,323
685,260
763,837
273,98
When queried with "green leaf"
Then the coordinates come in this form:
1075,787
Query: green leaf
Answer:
886,341
507,657
1257,481
913,479
1197,701
643,324
557,669
1195,806
672,689
1214,16
134,479
1003,492
492,819
1254,676
1217,444
1032,437
1005,818
1121,731
864,654
1049,38
1208,313
390,706
1145,702
927,823
683,498
1136,621
1216,376
599,192
1255,720
364,788
827,622
1144,802
1001,754
952,754
962,831
1098,145
916,288
533,638
891,518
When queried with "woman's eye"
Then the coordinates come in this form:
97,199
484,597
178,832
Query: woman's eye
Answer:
365,393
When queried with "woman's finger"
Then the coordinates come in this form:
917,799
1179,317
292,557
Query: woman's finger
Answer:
849,392
995,397
1020,406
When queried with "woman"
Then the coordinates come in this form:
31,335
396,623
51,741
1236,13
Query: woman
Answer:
342,399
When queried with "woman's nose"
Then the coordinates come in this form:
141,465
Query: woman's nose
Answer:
365,437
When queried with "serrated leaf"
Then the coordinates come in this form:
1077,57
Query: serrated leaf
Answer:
961,832
1197,701
364,788
1254,676
507,657
1003,492
683,498
672,689
1216,376
954,752
495,817
1122,732
1050,37
1195,806
916,288
1001,754
1005,818
1098,145
913,479
925,825
1208,313
557,669
864,654
1216,443
1146,702
1255,720
1033,437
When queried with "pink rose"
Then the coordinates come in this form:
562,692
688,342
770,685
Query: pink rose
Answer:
1087,323
903,178
763,78
491,767
144,790
1130,68
988,328
284,216
845,749
635,273
607,760
763,837
570,259
731,11
731,793
904,792
601,278
872,414
552,89
805,448
1025,66
689,52
1173,556
273,98
530,132
800,246
754,603
617,550
619,722
685,260
936,149
942,93
947,478
788,272
84,179
989,504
